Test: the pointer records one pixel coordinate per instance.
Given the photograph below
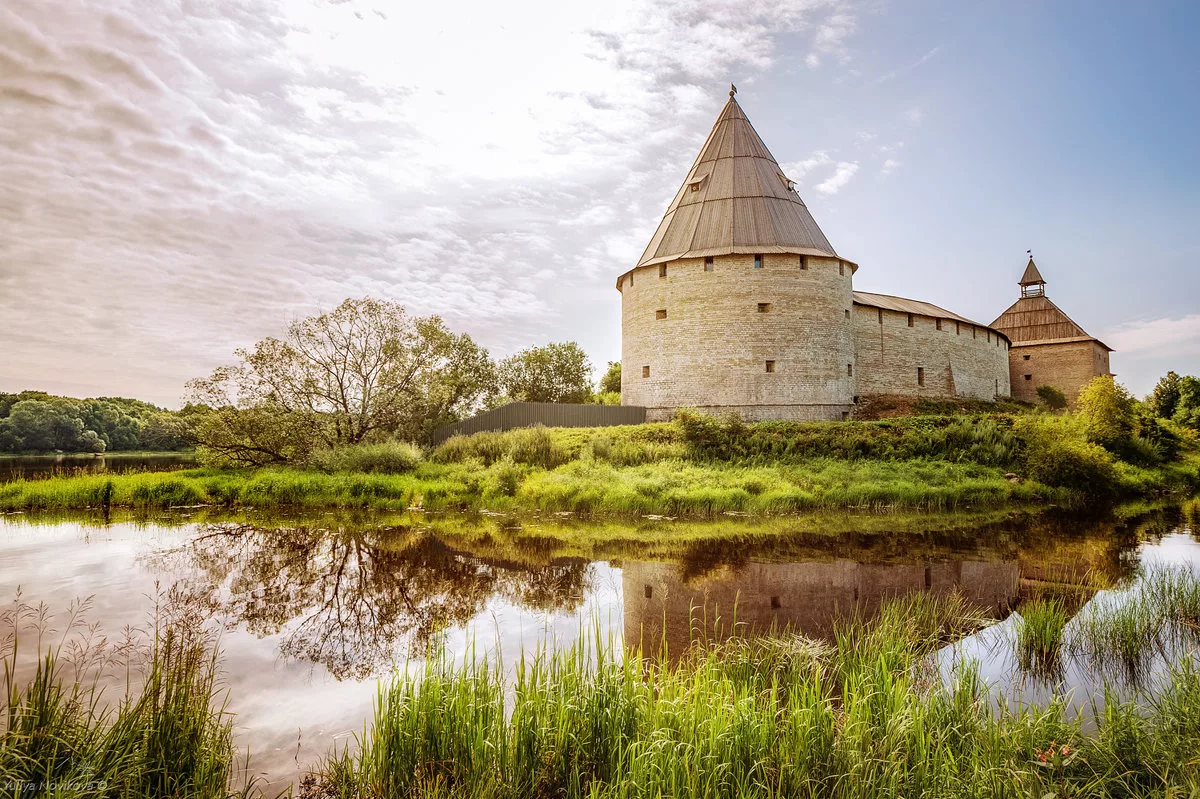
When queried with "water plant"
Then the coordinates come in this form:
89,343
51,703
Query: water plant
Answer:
167,735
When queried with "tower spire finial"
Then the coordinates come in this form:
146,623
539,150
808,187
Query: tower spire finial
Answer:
732,90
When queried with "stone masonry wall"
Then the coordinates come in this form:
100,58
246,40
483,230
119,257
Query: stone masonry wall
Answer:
705,342
959,360
1068,366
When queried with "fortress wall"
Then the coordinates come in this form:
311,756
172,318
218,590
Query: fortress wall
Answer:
958,360
806,598
711,350
1067,365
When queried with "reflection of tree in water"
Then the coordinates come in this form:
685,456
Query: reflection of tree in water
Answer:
349,600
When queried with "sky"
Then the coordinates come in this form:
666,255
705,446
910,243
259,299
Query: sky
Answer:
180,178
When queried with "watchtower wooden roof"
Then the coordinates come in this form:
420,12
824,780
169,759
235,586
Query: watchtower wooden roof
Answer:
1034,318
735,199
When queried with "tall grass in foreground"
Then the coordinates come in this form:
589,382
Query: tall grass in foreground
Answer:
1122,633
61,736
860,718
1040,636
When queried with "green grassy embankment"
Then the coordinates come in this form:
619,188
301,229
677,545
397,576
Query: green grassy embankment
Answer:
694,467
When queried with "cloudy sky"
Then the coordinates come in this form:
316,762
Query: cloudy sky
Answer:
179,178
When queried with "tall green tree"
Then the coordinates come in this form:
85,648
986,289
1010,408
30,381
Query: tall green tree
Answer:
1108,412
363,371
1164,400
611,382
557,372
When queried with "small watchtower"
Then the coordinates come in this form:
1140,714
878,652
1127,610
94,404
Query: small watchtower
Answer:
1048,347
1032,284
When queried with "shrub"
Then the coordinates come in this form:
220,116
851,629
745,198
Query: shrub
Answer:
1057,453
1052,397
390,457
1107,411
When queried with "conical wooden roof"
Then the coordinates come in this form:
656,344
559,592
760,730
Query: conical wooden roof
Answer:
735,199
1032,276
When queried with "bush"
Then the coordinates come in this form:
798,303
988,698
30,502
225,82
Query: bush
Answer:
390,457
1107,411
1057,453
1052,397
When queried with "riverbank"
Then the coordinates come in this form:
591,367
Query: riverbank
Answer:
871,712
693,468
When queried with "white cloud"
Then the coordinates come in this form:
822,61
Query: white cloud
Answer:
812,60
181,179
798,169
841,176
914,116
1159,337
889,165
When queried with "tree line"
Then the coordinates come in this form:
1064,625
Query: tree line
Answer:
34,421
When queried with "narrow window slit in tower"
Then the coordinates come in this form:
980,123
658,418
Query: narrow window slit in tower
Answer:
849,370
775,603
708,264
803,262
958,328
758,262
847,313
645,371
841,269
661,313
881,316
939,324
1027,357
649,592
770,366
920,375
1028,377
764,307
662,270
910,320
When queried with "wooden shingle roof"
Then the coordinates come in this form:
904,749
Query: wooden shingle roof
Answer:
1037,319
735,199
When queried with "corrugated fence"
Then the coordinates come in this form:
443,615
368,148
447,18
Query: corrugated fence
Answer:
549,414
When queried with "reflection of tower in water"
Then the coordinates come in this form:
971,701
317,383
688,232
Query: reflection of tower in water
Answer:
806,598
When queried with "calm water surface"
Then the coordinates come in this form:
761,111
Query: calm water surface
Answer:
13,467
314,612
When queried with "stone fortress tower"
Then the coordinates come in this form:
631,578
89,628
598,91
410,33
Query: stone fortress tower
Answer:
740,304
1048,348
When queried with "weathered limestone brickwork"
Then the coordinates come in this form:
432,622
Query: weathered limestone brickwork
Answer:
721,329
806,597
740,304
1066,365
960,359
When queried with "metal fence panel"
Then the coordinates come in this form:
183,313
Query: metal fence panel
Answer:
549,414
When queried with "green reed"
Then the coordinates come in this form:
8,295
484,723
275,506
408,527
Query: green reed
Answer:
162,731
1039,639
861,717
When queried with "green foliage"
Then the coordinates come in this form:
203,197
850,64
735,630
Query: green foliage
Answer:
359,372
1039,638
611,382
1054,399
166,736
557,372
389,457
1107,410
774,717
1058,453
33,421
608,398
1164,400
